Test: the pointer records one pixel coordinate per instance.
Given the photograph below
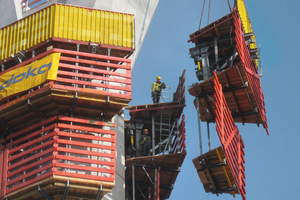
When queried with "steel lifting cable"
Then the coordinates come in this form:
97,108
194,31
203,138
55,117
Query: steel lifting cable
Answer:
229,6
208,12
201,14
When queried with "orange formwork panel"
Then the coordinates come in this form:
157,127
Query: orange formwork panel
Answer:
55,151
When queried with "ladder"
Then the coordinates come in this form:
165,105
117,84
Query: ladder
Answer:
166,95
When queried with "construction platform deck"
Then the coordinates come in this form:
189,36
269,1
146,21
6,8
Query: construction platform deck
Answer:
169,165
214,173
48,101
238,94
57,186
147,111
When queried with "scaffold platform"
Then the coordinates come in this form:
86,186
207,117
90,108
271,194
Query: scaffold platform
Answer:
144,173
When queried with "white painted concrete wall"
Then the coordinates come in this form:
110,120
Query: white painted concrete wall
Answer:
118,191
10,11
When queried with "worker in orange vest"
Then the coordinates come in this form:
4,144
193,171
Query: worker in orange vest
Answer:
156,89
145,143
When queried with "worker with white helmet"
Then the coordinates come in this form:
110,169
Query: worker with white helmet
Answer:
156,89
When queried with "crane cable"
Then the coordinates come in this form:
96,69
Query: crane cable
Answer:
201,14
229,6
209,11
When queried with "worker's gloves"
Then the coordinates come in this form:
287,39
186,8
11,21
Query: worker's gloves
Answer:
153,94
163,86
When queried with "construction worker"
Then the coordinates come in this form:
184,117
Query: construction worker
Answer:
145,143
156,89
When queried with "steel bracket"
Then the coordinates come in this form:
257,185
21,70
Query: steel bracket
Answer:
35,109
42,192
66,192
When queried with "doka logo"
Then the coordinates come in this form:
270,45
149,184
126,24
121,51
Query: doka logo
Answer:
25,75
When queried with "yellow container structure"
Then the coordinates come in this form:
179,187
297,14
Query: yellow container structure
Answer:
67,22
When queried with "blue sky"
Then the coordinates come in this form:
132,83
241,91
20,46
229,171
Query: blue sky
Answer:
272,162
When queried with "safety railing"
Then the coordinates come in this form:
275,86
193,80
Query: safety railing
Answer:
93,73
178,145
63,146
230,138
179,95
28,5
82,72
252,75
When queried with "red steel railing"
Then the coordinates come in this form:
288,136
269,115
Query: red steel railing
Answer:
62,146
178,145
250,67
180,91
89,73
103,78
230,138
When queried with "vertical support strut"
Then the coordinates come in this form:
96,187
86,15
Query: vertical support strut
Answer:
205,63
133,183
76,64
153,134
208,136
155,185
108,61
199,126
216,53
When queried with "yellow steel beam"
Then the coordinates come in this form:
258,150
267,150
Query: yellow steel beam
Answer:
225,172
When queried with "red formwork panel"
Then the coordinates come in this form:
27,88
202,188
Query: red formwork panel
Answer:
230,138
250,67
180,91
62,146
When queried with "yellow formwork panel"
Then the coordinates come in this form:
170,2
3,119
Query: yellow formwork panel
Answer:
67,22
246,20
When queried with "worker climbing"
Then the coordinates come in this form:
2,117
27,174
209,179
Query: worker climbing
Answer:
145,142
156,89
